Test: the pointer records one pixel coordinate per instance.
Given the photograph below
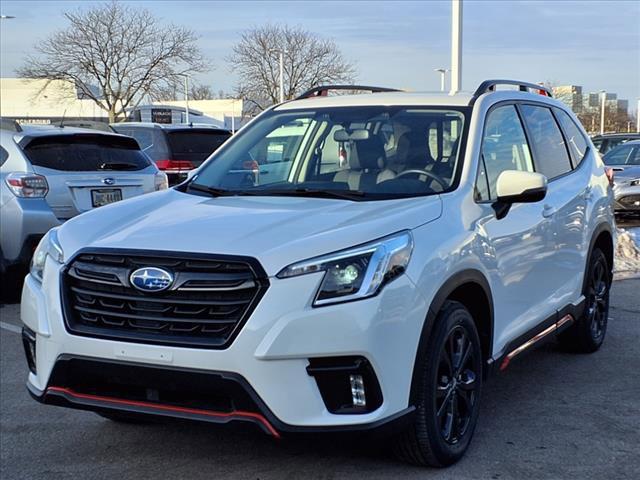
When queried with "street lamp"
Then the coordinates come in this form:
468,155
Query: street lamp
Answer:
603,94
6,17
443,73
638,116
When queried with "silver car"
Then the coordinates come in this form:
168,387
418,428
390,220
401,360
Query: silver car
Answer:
49,175
625,162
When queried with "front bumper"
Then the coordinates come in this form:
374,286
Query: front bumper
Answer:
270,354
627,200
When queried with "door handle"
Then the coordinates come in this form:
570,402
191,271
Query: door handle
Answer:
548,211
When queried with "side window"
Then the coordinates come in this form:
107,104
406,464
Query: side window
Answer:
575,140
549,151
3,156
619,156
504,147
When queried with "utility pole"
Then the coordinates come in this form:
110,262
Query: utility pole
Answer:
603,94
186,96
281,76
456,45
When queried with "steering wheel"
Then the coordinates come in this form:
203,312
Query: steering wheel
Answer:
433,176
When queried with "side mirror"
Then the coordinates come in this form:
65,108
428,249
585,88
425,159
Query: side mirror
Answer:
515,186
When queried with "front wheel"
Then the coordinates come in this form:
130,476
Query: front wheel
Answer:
587,334
448,392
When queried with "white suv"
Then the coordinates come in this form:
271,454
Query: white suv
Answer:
344,263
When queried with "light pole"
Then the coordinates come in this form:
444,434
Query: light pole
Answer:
6,17
280,53
443,73
186,96
456,45
638,116
603,94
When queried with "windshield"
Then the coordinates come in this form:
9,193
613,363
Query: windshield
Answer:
352,152
623,155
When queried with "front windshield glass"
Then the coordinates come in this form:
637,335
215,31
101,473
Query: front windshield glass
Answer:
359,152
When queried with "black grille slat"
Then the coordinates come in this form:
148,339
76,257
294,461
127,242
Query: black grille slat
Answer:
205,307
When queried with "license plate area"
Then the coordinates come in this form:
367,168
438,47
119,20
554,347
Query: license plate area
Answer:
105,196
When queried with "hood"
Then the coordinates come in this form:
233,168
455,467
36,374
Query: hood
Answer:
276,230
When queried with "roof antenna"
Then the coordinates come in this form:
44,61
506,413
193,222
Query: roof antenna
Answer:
62,119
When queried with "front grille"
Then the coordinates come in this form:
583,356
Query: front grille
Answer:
630,201
206,305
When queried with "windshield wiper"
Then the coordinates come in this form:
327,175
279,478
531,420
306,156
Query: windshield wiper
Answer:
214,192
352,195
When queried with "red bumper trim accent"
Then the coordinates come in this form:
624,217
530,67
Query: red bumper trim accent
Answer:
238,414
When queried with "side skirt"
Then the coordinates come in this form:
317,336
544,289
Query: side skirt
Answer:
541,333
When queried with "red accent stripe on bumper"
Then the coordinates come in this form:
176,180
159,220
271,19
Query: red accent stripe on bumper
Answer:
238,414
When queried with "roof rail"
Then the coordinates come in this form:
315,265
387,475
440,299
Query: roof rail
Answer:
323,90
490,85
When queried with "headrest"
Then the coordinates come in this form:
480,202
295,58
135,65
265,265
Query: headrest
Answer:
413,150
367,154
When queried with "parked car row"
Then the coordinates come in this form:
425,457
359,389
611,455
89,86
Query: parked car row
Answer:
53,173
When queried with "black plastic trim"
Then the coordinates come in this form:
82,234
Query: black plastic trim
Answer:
388,425
322,90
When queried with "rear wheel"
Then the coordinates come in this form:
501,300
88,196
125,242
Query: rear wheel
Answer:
448,392
587,334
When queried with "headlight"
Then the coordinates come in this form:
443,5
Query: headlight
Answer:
635,183
48,247
358,272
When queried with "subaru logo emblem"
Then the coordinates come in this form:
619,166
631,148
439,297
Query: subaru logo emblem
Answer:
109,181
151,279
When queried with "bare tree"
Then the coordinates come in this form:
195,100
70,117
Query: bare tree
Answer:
200,91
308,61
116,55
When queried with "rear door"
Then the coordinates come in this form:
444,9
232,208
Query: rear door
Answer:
564,204
88,170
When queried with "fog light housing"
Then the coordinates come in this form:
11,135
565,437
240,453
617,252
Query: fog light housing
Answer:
348,385
358,398
29,344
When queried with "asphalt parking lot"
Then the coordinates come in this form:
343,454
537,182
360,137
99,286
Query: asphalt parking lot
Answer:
552,415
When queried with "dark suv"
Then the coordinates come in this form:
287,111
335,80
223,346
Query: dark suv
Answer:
175,149
606,142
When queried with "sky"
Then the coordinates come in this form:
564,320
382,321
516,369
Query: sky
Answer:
595,44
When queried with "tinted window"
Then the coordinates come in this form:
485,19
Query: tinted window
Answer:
550,153
195,146
575,140
3,155
623,155
504,147
86,153
151,140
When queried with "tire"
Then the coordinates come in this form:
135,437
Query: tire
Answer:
11,278
587,334
437,436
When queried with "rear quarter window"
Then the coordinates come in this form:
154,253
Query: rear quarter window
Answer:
3,156
82,152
